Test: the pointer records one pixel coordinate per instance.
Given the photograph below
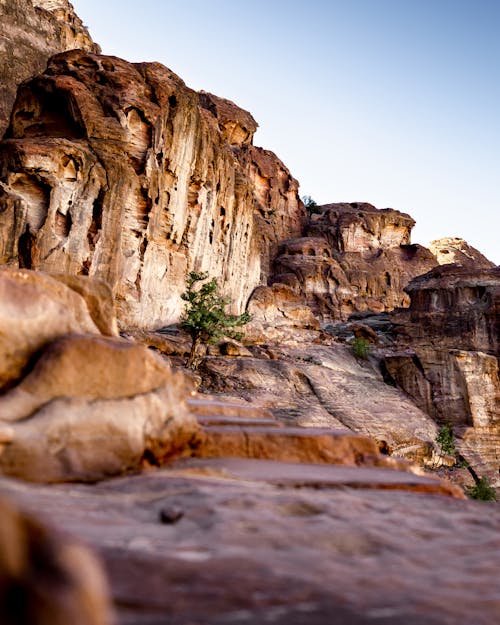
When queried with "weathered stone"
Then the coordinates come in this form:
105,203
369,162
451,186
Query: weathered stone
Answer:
34,310
32,31
354,258
320,544
85,367
84,406
116,170
45,577
71,439
456,250
237,126
277,312
315,386
451,337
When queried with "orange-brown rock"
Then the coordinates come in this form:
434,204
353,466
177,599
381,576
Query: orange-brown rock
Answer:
354,258
451,340
326,386
45,577
116,170
84,406
86,367
261,541
34,310
277,313
32,31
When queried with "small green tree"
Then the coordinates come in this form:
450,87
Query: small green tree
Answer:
361,347
482,490
205,317
446,440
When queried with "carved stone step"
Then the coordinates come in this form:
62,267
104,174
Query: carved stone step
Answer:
207,406
291,444
300,475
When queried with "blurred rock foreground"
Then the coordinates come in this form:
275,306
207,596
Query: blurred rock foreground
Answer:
294,477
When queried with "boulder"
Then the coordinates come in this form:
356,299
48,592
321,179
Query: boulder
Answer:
46,577
81,406
35,309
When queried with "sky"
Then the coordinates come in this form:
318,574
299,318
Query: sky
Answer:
392,102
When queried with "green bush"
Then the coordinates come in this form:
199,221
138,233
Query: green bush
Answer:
446,440
482,490
205,317
361,347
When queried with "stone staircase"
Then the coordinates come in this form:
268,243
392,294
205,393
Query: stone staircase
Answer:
234,429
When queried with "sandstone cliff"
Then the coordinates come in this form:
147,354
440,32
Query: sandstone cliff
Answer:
353,258
120,171
32,31
449,342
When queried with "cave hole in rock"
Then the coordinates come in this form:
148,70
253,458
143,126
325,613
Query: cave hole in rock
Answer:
54,114
172,101
36,194
62,224
96,223
25,247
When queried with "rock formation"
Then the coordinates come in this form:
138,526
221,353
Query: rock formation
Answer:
32,31
45,577
449,342
120,171
253,541
354,258
455,250
76,404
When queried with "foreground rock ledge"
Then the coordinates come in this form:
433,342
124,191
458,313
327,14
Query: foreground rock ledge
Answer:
216,542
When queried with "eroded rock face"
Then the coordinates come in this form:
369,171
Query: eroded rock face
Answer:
76,405
354,258
116,170
456,250
449,364
32,31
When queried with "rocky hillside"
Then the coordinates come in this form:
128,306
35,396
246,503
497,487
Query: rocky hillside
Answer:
32,31
121,172
296,477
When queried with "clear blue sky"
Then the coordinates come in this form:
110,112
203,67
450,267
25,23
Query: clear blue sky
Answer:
393,102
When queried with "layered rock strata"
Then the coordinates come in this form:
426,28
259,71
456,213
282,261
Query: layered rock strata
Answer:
32,31
120,171
449,343
354,258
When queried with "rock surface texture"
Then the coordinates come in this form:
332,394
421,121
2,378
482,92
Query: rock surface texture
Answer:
119,171
32,31
455,250
77,405
449,343
218,542
45,577
354,258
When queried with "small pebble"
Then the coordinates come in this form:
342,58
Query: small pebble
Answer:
171,515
